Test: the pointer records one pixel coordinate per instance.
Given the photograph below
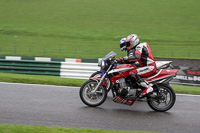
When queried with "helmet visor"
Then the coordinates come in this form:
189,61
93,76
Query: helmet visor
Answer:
128,44
123,46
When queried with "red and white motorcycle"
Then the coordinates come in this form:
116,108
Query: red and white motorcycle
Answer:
115,77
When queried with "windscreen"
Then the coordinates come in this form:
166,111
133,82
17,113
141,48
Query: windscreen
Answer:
107,56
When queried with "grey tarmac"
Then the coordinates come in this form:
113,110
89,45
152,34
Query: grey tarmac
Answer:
49,105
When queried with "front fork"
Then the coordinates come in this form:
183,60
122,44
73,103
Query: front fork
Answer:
102,79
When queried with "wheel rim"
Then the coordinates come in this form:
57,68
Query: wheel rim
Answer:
163,100
93,98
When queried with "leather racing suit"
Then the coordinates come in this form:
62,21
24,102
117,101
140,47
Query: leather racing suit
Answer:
142,54
142,59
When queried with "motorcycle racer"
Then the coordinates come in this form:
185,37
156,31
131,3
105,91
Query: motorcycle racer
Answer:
122,44
140,55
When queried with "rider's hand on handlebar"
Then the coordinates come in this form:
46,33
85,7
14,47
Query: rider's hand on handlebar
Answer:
122,60
125,58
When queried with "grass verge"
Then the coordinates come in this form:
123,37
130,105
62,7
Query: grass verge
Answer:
40,79
186,89
43,129
53,80
91,29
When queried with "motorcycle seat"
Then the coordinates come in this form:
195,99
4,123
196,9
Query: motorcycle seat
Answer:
162,64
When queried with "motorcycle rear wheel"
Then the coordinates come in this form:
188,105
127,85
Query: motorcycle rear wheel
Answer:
89,98
164,99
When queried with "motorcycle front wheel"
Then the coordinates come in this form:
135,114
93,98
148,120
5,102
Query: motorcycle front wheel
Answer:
162,98
92,99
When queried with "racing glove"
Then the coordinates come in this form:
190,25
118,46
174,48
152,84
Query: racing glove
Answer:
122,60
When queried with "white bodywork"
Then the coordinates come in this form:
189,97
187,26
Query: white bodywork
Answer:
161,64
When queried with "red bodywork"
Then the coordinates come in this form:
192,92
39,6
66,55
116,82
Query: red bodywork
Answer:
161,74
124,73
125,66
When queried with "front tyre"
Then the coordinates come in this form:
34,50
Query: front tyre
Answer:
92,99
162,98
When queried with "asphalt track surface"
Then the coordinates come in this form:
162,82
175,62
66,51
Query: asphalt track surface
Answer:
61,106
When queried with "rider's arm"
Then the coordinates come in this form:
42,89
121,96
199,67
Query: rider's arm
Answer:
134,56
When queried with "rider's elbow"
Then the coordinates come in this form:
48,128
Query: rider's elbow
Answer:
137,56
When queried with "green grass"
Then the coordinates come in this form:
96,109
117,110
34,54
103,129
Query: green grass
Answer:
43,129
40,79
53,80
186,89
90,29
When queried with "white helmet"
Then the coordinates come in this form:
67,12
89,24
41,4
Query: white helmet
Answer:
122,44
132,40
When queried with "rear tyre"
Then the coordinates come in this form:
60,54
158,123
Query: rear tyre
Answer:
92,99
162,99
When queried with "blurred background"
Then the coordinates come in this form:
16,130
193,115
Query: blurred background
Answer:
92,28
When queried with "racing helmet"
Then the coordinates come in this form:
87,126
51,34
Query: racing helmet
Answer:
132,40
122,44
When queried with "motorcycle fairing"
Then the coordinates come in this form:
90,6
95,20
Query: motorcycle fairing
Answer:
125,66
162,74
119,73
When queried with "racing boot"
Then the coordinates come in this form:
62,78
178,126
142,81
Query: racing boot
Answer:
147,90
142,83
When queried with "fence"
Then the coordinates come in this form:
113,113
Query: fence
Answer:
72,68
77,70
30,67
